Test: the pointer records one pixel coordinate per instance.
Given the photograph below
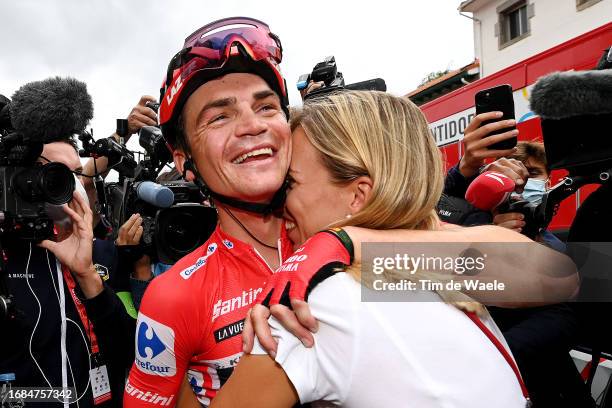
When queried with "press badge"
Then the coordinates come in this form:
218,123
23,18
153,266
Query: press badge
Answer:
100,385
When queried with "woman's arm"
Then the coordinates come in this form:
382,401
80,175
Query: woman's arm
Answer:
532,273
257,381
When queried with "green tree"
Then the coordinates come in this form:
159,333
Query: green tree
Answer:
433,75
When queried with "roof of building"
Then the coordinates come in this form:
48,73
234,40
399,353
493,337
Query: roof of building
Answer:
470,6
446,83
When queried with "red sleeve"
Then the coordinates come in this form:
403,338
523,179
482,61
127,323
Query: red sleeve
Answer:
164,344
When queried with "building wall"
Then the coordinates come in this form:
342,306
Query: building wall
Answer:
554,22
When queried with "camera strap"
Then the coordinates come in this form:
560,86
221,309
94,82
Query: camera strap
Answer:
87,325
100,385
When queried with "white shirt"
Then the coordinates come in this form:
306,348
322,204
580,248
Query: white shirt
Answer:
394,354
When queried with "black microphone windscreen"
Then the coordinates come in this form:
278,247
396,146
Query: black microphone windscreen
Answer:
568,94
51,109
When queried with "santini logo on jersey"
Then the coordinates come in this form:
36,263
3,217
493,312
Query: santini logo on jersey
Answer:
155,347
148,397
201,261
223,307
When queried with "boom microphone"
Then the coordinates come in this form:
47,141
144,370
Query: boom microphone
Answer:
489,190
576,112
155,194
49,110
568,94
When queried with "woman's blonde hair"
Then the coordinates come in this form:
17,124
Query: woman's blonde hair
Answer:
384,137
387,138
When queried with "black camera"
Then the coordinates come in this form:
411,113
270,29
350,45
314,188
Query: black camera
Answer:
327,72
28,186
157,152
119,157
174,221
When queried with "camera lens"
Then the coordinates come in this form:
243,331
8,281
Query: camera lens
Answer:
182,234
52,182
56,183
181,229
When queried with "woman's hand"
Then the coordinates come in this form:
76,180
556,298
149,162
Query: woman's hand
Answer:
286,293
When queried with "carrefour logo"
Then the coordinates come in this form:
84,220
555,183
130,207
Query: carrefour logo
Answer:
154,347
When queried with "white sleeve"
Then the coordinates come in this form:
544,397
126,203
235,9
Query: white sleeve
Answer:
322,372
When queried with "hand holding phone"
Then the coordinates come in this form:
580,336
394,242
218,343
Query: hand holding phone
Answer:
478,137
497,99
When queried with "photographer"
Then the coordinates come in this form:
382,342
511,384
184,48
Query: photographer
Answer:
476,151
533,158
64,318
131,255
140,115
32,349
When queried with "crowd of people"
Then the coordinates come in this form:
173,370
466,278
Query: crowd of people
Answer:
268,312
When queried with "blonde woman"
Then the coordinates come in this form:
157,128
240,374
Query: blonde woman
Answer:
367,159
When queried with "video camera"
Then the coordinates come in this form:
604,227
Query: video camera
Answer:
30,192
327,72
174,221
40,112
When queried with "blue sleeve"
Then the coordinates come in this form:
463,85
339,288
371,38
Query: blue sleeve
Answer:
551,241
455,184
138,288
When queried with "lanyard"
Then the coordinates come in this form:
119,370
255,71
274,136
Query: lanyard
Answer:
473,317
87,325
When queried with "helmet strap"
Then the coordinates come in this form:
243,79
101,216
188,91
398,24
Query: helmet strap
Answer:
275,206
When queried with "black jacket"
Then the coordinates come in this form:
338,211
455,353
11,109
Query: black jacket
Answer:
40,321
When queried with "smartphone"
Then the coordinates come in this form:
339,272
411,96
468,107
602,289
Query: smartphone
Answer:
500,99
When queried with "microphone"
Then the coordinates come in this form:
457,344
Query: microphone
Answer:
49,110
568,94
155,194
576,112
489,190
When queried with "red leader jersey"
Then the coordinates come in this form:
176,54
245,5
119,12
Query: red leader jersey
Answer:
191,319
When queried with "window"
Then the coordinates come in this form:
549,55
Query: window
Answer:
513,22
582,4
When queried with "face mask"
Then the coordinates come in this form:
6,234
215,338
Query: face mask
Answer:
56,212
534,190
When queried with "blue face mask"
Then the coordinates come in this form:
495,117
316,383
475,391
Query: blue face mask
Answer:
534,190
